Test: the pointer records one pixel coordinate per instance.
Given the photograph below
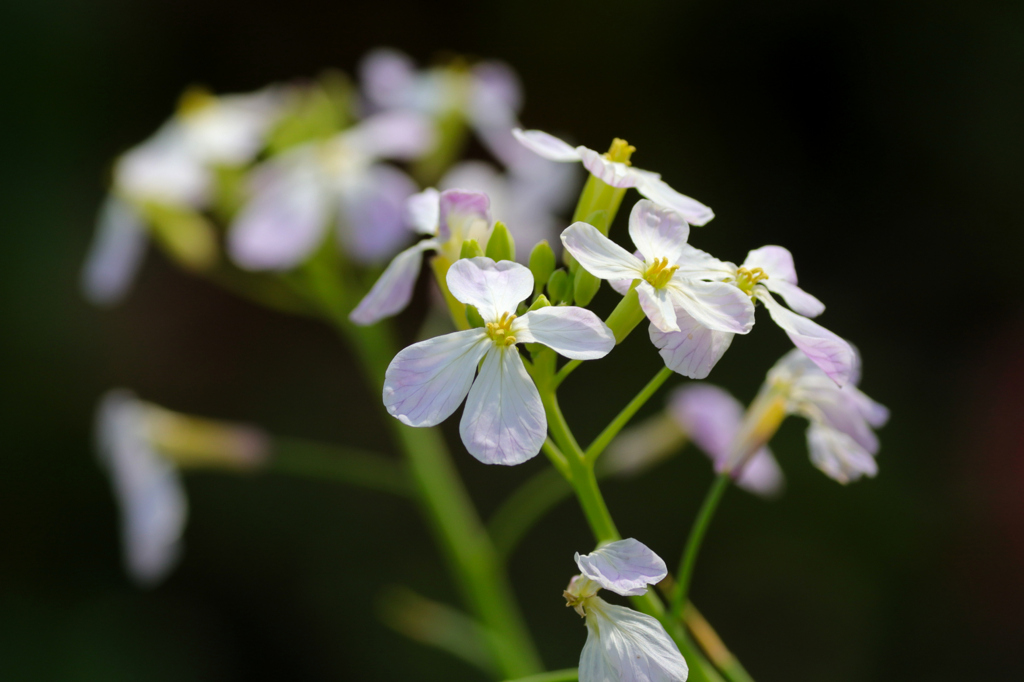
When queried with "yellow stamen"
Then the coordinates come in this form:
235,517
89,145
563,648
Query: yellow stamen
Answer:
659,273
500,331
746,279
620,151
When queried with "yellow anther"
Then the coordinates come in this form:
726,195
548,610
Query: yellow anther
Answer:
194,99
659,273
501,331
620,151
746,279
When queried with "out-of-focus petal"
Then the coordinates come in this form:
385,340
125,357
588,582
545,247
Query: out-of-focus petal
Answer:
548,146
625,567
423,211
762,475
387,77
427,381
493,288
373,213
460,214
504,421
599,255
710,416
401,135
611,173
657,232
231,129
715,305
624,645
828,351
496,95
694,350
838,455
573,332
393,290
115,254
162,169
658,305
651,186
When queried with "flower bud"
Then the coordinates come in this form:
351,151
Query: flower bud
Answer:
542,264
559,287
186,235
585,287
541,302
501,245
470,249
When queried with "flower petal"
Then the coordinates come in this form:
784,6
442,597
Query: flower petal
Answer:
400,135
493,288
387,77
599,255
657,304
426,382
496,96
657,232
762,474
777,262
461,213
828,351
573,332
694,350
715,305
548,146
423,211
393,289
710,416
651,186
373,213
624,645
115,254
611,173
696,264
838,455
625,567
504,421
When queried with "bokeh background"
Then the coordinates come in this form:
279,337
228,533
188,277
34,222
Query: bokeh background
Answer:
880,141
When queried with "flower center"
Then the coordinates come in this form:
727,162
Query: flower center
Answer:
746,279
501,331
659,273
579,594
620,151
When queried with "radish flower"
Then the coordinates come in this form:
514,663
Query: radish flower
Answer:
504,421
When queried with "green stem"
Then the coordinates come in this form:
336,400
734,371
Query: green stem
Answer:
345,465
567,675
700,527
713,645
605,437
524,507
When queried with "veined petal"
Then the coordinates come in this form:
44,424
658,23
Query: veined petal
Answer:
828,351
837,408
715,305
504,421
651,186
393,289
115,254
493,288
798,299
696,264
694,350
838,455
624,645
657,232
625,567
572,332
599,255
423,211
777,263
426,381
611,173
546,145
657,304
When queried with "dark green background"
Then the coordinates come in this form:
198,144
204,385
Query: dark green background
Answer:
880,141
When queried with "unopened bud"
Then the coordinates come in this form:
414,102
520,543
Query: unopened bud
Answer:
559,287
542,264
501,245
470,249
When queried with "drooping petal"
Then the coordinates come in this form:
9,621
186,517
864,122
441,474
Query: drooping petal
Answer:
838,455
651,186
658,305
572,332
694,350
400,135
427,381
393,290
657,232
715,305
423,211
777,263
762,474
837,408
493,288
710,416
460,214
372,213
828,351
625,567
612,173
115,254
546,145
599,255
624,645
504,421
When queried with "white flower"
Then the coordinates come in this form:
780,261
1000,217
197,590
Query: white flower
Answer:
668,278
294,197
622,645
448,218
767,270
504,421
617,174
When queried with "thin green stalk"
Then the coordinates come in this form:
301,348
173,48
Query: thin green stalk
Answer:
700,527
713,645
524,507
346,465
605,437
567,675
566,370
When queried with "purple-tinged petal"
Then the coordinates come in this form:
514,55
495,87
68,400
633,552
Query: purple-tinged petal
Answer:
828,351
460,212
651,186
493,288
372,225
710,416
504,421
393,289
572,332
777,263
599,255
694,350
625,567
657,232
423,211
762,475
427,381
115,254
658,305
715,305
624,645
400,135
496,95
838,455
387,77
611,173
548,146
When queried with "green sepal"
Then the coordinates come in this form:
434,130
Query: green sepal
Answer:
541,302
584,286
473,315
501,245
470,249
542,264
559,287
